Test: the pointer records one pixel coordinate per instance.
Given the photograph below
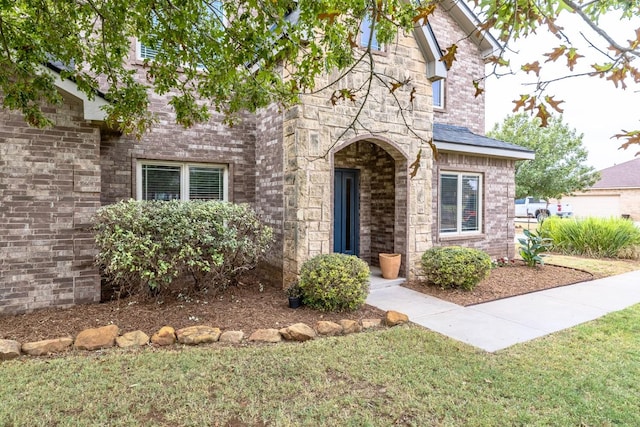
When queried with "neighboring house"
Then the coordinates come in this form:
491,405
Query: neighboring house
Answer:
320,194
616,194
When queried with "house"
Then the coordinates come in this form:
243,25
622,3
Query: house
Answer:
322,190
616,194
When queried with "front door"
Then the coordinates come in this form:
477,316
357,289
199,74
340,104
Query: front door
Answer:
345,212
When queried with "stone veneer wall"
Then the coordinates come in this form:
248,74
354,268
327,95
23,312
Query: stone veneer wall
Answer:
461,107
49,188
498,212
313,134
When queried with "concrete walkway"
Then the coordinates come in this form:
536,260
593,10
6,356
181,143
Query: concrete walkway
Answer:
500,324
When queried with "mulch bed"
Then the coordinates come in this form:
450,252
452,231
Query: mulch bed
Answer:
255,304
513,279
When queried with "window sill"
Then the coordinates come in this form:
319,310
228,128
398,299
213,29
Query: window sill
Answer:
459,237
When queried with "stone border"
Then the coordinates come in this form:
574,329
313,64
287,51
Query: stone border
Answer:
109,336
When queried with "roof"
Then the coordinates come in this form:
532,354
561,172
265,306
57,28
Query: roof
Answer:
624,175
461,139
93,107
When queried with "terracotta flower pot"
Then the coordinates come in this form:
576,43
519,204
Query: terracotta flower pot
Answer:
390,265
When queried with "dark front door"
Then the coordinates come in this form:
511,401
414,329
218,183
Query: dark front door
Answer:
345,212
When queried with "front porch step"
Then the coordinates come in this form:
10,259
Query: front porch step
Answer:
376,281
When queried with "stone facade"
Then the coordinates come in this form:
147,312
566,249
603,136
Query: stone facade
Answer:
49,188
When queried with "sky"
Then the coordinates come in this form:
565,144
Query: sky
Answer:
593,106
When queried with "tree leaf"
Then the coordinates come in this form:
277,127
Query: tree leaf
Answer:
556,53
450,55
533,66
554,104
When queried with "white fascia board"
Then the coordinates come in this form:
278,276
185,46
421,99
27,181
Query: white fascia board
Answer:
484,151
436,68
92,107
469,22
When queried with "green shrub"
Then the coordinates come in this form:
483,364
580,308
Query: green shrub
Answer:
147,244
334,282
456,267
594,237
532,246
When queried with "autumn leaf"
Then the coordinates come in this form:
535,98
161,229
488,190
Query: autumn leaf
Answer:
633,137
531,104
397,85
412,95
498,60
520,103
556,53
479,90
543,115
424,12
572,57
554,104
450,56
415,165
618,75
329,16
352,41
533,66
551,24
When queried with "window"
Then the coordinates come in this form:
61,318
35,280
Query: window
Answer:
180,181
438,93
460,202
149,52
368,34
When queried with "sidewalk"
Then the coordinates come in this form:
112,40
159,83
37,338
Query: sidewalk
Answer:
500,324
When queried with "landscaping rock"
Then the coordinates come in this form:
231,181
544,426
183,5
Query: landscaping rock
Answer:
393,318
199,334
232,337
325,327
41,348
97,338
165,336
132,339
9,349
266,335
371,323
350,326
298,332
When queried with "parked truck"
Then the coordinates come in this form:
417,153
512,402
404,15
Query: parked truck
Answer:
541,209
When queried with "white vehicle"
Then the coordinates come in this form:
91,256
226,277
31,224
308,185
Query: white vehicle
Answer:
541,209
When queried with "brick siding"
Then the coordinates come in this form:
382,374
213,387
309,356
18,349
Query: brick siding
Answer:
497,237
49,188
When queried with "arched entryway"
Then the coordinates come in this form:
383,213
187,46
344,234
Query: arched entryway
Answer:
370,204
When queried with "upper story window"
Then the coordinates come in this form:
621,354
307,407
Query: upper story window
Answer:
438,87
368,36
149,52
460,203
181,181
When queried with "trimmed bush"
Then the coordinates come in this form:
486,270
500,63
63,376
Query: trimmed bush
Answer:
147,244
593,237
334,282
456,267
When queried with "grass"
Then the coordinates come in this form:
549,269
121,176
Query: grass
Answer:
406,375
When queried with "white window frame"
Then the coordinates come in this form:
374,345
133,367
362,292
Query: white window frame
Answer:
441,86
184,176
459,203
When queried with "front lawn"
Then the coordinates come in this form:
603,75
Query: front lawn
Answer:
586,376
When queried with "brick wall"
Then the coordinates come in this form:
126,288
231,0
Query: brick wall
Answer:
461,107
497,237
270,181
49,188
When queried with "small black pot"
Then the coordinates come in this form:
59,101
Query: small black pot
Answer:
295,302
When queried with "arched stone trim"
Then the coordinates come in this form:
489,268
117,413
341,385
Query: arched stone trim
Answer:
380,208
